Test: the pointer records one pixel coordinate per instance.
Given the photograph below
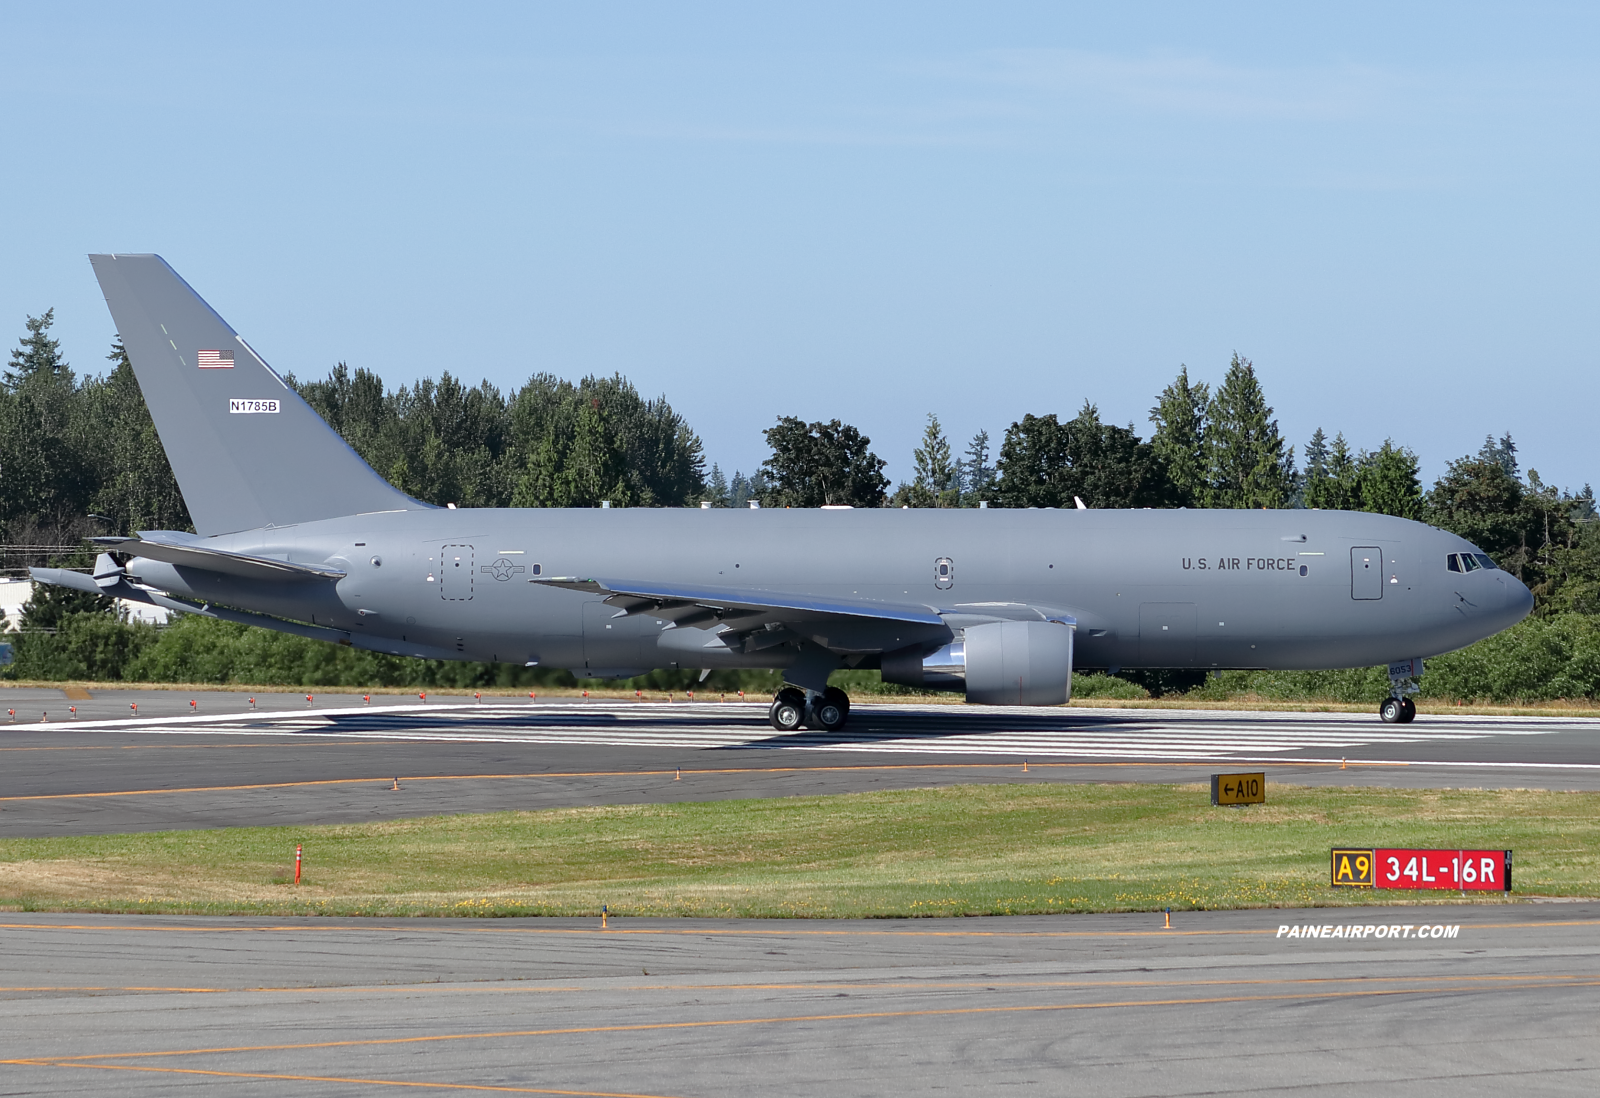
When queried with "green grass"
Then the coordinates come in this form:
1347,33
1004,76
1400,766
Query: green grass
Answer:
964,850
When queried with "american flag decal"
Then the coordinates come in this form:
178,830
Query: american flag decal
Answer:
216,360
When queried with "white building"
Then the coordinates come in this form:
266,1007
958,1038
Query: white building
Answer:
15,592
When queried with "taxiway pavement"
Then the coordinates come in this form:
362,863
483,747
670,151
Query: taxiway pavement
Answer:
337,760
1096,1004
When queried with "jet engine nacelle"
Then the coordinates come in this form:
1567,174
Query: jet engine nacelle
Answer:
1003,663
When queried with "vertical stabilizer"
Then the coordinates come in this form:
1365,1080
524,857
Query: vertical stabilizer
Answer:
247,451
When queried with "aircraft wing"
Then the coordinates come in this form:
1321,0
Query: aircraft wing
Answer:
186,554
689,604
751,619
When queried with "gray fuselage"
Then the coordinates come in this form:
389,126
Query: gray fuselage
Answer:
1148,588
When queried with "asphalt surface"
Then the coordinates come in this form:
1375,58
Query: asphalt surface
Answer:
1105,1005
335,759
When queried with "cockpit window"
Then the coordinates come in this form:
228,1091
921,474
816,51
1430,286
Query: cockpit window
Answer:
1469,563
1453,562
1486,560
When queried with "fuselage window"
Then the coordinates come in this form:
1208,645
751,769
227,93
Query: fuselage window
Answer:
1453,563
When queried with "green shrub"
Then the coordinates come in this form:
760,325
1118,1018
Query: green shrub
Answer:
86,645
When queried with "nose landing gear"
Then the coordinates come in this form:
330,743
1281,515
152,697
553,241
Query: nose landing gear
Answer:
1397,711
824,712
1398,708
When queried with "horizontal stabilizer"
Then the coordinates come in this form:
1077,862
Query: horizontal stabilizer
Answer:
205,558
65,577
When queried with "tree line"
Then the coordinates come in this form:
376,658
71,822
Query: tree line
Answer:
80,456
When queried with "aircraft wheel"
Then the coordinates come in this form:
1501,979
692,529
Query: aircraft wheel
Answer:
788,709
838,697
1391,711
831,710
1408,710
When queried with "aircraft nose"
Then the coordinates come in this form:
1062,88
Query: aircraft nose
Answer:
1519,600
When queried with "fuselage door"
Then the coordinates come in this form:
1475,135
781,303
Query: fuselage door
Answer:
456,573
1366,572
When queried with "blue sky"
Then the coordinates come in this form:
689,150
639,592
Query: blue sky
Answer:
865,211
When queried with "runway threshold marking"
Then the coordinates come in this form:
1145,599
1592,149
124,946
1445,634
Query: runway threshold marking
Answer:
702,932
196,747
90,1059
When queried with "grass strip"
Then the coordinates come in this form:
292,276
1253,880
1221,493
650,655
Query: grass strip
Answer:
962,850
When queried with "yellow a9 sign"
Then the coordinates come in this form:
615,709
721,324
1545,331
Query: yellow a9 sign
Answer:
1352,869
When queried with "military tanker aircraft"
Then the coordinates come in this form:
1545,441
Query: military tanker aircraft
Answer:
294,532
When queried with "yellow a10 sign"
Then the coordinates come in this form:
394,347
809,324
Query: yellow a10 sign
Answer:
1238,789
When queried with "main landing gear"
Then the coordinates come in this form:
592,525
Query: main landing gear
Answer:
1398,708
824,712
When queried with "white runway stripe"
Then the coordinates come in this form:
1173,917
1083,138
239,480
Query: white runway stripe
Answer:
926,730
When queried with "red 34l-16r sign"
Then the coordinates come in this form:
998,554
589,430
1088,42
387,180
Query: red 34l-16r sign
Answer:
1456,870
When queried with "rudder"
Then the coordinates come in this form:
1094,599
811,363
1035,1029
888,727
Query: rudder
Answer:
246,450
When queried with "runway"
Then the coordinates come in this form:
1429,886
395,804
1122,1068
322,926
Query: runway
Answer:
329,761
1105,1005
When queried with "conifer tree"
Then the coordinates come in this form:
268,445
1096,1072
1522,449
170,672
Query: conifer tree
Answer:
1179,441
936,484
1389,482
1247,461
717,488
37,355
977,474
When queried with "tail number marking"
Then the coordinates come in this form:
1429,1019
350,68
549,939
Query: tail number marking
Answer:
252,407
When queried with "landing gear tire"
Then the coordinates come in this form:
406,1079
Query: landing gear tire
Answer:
1408,710
788,710
1392,711
829,711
